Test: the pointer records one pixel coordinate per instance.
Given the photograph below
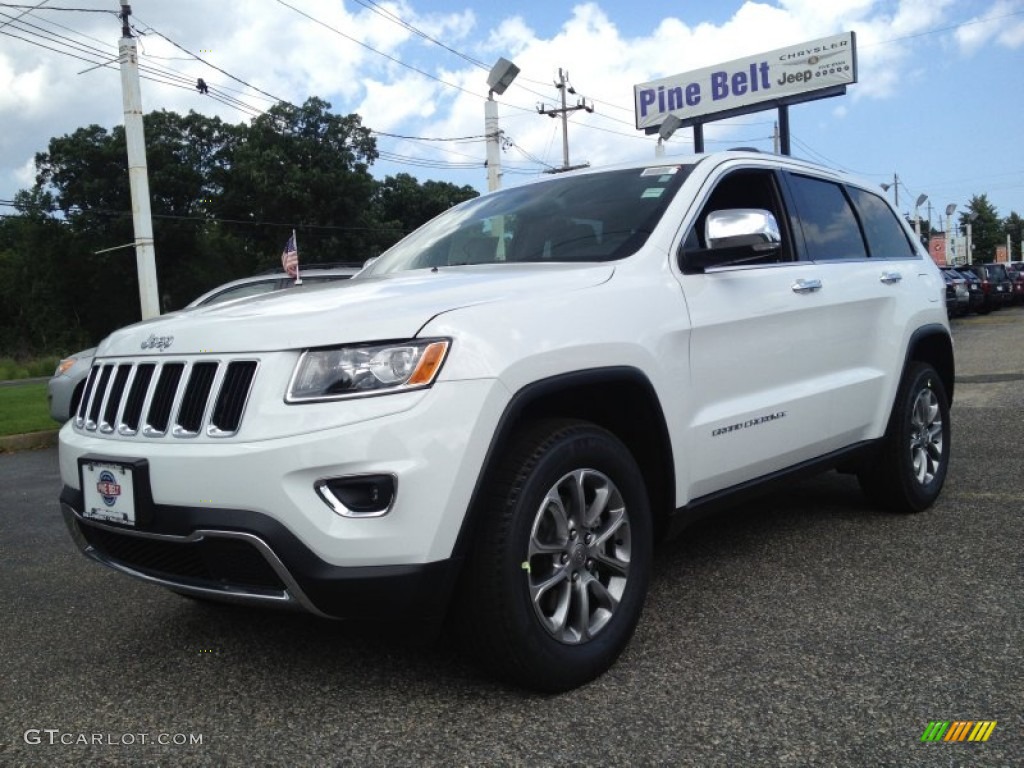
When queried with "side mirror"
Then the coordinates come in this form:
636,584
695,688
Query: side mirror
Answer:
734,236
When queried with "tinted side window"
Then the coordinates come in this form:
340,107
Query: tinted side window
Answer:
886,238
830,229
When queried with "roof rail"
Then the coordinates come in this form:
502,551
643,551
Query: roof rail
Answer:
317,265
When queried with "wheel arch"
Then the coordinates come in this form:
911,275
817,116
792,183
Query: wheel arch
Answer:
619,399
932,344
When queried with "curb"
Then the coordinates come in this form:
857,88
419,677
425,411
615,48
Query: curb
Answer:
32,441
19,382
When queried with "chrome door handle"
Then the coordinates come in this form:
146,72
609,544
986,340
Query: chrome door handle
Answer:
806,286
891,277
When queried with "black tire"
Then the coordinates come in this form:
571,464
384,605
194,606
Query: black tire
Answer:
535,555
907,472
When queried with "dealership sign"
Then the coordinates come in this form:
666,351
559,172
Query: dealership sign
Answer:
788,75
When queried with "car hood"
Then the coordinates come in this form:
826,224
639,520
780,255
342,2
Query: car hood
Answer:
392,306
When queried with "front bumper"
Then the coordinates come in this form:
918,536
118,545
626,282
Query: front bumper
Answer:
248,558
242,520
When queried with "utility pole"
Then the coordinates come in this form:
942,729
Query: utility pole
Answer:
562,84
138,179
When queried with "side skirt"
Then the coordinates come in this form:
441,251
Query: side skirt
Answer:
707,505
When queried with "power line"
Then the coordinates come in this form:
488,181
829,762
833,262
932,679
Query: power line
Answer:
387,56
49,48
174,79
54,8
384,12
212,66
477,137
23,13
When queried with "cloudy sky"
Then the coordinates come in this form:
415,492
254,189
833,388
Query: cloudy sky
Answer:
939,101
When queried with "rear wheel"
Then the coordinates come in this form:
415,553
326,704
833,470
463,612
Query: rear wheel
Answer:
909,469
560,568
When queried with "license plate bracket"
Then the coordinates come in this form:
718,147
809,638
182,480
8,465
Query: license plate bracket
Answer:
115,491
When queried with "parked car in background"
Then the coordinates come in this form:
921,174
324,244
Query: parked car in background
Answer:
995,285
64,390
958,299
974,290
1016,274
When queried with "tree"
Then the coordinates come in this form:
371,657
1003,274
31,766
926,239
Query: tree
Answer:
306,169
224,200
402,204
36,308
986,229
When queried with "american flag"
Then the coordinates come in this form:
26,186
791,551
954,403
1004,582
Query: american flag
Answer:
290,257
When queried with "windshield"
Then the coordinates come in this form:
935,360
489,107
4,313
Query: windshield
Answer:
590,217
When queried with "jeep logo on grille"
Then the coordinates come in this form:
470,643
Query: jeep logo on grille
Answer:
157,342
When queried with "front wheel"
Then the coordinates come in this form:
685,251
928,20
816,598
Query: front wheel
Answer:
561,563
909,469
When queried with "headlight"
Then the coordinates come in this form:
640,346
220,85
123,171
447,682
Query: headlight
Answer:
64,364
364,369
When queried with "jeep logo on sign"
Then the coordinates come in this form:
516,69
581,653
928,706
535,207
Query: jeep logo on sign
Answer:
157,342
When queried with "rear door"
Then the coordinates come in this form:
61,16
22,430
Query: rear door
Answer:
868,264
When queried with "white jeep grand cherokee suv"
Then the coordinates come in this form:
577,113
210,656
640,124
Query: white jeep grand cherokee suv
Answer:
505,412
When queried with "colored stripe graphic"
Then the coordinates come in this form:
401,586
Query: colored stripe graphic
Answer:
958,730
982,730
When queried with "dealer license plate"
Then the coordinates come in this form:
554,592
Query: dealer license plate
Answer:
109,492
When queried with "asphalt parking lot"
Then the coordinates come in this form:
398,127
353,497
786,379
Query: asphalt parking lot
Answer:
803,629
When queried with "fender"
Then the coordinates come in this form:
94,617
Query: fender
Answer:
536,397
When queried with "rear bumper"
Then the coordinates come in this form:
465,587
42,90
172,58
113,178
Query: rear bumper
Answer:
247,557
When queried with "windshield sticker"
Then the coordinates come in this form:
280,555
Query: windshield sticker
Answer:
660,170
653,192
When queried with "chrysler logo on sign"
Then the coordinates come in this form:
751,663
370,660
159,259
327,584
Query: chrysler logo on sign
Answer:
157,342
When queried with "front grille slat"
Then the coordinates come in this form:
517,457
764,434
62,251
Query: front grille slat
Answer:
195,399
114,398
163,398
98,396
234,392
83,405
174,399
136,399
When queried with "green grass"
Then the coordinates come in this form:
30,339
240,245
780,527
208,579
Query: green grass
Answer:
12,368
23,408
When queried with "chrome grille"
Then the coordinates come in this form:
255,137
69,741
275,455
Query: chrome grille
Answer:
180,398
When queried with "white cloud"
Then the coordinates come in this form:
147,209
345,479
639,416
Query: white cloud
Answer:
22,91
25,176
1001,24
274,48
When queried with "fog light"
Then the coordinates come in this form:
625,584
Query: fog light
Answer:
358,496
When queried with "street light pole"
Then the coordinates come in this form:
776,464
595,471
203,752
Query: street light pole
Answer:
917,219
498,79
895,187
950,254
970,244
